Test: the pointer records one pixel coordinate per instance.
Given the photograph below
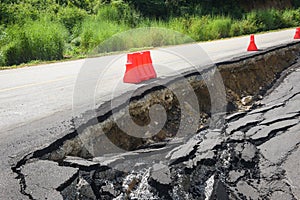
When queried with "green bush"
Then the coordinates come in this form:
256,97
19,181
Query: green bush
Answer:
217,28
38,30
236,29
120,12
109,13
94,32
291,17
141,38
196,28
35,40
209,28
242,27
181,25
265,20
3,38
19,13
71,16
278,21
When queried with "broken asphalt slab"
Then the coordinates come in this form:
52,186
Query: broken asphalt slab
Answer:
189,151
44,179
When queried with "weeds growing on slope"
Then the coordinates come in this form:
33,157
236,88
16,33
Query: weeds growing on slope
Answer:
58,31
35,40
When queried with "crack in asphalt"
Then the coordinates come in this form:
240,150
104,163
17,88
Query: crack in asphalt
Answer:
234,164
284,159
16,169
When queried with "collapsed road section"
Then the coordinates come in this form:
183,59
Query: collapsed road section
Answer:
252,155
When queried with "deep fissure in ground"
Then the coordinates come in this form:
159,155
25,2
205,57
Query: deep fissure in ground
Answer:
196,173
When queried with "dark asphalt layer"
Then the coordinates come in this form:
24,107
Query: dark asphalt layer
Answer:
37,110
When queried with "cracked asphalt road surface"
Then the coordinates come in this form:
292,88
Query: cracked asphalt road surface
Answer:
254,156
245,160
257,160
274,138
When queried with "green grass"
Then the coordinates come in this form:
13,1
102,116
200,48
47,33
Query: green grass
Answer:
95,32
140,38
72,32
35,40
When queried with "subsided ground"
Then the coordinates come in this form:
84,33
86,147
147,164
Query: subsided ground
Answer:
228,151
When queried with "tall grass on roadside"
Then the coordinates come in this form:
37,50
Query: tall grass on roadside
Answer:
71,17
57,31
119,12
291,18
142,38
110,19
153,32
94,32
209,28
35,40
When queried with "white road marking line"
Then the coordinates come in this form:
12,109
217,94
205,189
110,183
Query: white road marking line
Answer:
35,84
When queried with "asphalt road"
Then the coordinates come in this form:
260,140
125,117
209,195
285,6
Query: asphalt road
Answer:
275,136
32,93
30,96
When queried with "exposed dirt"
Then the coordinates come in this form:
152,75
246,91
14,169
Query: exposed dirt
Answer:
251,77
188,175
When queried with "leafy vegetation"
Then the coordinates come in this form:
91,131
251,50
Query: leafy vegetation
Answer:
53,29
35,40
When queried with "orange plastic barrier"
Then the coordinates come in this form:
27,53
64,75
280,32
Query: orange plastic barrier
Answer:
139,68
297,34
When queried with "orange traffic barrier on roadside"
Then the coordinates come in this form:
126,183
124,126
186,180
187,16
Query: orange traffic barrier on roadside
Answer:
297,34
252,46
139,67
